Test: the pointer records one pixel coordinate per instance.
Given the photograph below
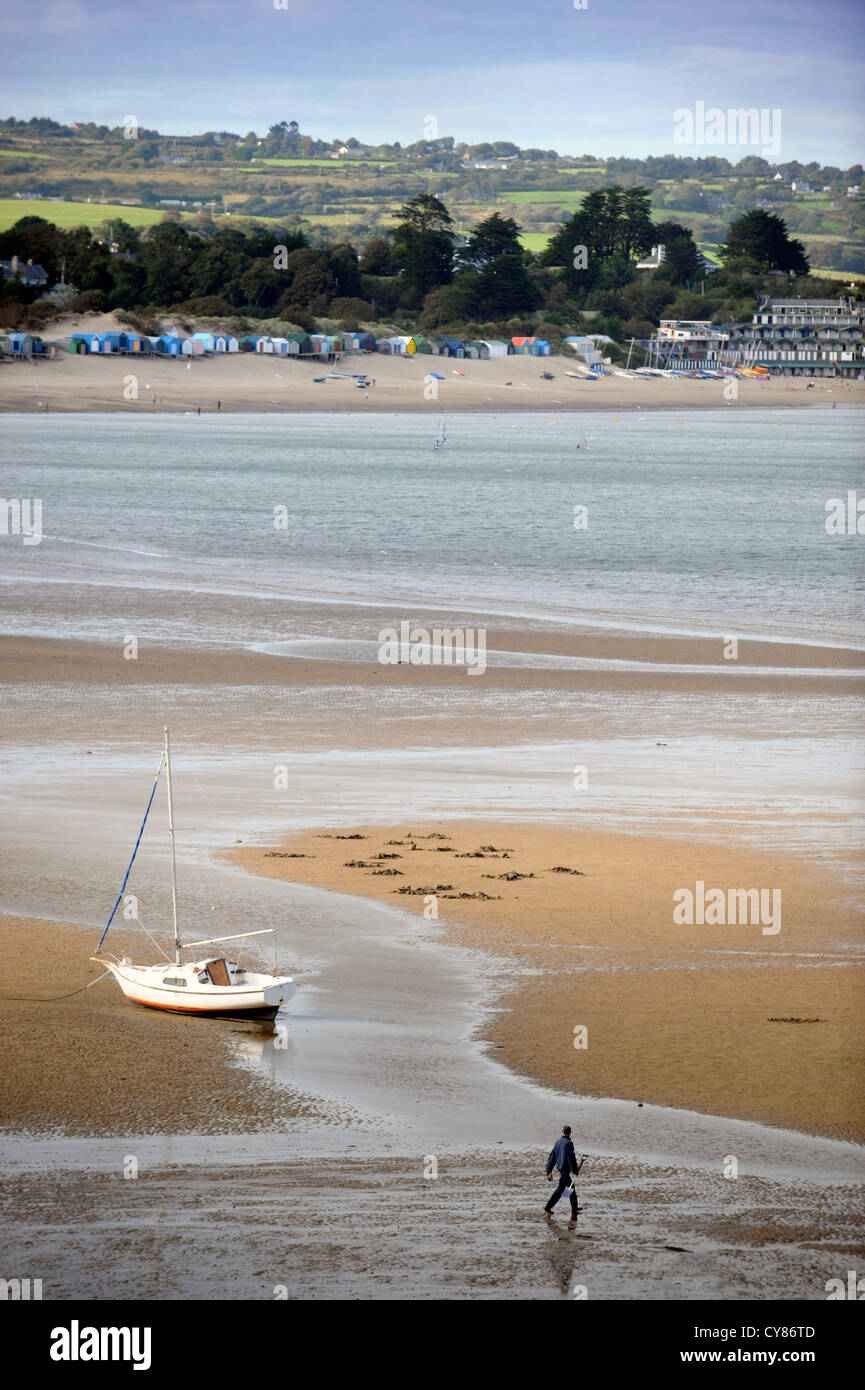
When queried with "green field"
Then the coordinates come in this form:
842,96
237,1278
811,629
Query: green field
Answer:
75,214
569,199
24,154
534,241
847,275
328,163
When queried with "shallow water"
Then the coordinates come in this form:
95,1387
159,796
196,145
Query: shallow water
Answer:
711,522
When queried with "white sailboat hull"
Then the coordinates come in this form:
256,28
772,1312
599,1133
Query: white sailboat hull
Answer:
159,987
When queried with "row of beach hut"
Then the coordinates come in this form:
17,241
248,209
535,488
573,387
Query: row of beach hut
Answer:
324,346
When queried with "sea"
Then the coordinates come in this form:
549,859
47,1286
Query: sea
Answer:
706,523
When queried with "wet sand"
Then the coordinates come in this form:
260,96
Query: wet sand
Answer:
411,1038
720,1019
383,1231
95,1064
245,382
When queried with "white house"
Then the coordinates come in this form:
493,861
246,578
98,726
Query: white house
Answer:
655,258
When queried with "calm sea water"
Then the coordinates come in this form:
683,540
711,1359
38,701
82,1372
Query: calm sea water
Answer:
709,522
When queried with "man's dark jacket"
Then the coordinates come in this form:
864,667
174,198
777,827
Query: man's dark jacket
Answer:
563,1157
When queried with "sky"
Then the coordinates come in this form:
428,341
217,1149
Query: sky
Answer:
606,79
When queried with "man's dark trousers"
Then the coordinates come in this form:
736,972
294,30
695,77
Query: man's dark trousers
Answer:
565,1181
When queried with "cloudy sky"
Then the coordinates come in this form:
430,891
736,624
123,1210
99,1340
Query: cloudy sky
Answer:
603,80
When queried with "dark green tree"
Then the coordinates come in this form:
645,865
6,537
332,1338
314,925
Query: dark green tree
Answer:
761,238
493,281
423,245
682,263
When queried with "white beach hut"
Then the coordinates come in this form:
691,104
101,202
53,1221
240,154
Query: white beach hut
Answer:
497,346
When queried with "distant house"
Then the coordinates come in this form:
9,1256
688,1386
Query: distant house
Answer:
479,350
520,347
422,344
25,271
207,341
655,258
365,342
540,347
192,347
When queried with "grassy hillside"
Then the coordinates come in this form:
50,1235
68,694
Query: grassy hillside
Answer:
354,195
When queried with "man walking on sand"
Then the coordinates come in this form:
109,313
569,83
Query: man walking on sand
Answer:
563,1158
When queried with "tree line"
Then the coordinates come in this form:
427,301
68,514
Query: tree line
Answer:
422,273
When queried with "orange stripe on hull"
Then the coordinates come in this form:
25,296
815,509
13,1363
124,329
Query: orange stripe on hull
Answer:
179,1008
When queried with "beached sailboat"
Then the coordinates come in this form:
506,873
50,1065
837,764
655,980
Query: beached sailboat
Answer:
210,983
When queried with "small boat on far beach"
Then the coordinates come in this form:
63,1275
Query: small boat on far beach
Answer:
210,984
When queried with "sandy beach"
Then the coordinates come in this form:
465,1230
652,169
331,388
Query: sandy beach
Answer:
248,382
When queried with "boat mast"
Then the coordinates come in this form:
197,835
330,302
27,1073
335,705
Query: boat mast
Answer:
171,843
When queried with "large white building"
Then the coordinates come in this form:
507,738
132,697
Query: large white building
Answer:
805,337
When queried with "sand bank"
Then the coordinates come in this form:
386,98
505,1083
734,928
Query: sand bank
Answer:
722,1020
782,667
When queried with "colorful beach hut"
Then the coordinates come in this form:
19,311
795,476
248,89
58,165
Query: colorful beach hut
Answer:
18,345
167,345
478,349
446,346
81,343
299,345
